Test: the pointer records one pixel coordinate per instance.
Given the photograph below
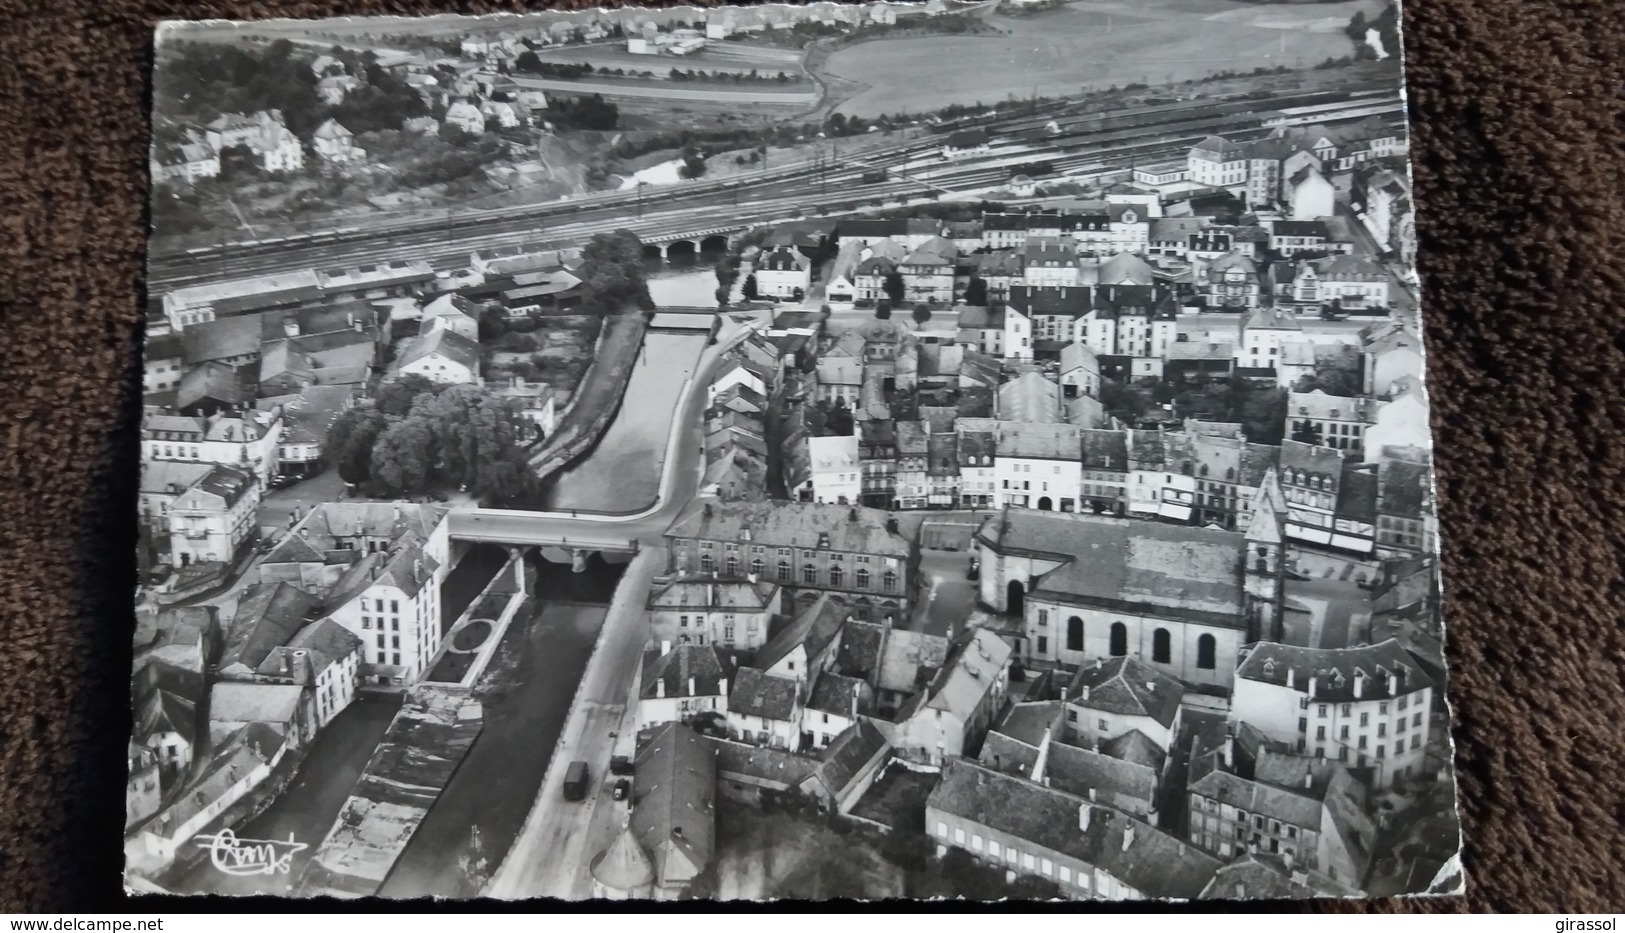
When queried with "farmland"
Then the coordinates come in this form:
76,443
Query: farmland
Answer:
1091,45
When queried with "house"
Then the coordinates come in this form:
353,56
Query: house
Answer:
235,705
1088,850
1357,284
848,766
836,704
1310,195
1079,372
1121,698
1329,420
442,356
1257,876
241,762
187,162
1310,813
1232,283
1049,262
332,88
1036,465
764,709
805,646
965,143
466,117
928,272
722,608
215,517
1391,355
335,144
1402,422
164,702
535,401
1217,162
1090,587
1291,237
809,548
247,441
896,663
378,568
506,114
673,807
142,793
1264,333
1029,398
268,617
1405,512
783,272
231,129
1369,707
954,712
307,416
836,470
1103,472
422,126
678,682
324,658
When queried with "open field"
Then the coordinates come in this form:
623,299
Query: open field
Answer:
1090,45
770,93
600,56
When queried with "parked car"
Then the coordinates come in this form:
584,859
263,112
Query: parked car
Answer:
623,789
975,571
620,764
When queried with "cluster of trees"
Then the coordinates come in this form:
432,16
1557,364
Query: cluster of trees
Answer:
591,112
976,292
612,280
419,437
449,157
782,77
693,162
199,81
1386,24
527,62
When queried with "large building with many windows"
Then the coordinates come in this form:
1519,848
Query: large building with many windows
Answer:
1368,707
808,548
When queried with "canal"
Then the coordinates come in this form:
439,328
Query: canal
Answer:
622,473
311,802
537,669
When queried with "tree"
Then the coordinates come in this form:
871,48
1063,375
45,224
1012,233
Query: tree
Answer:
349,441
403,455
1262,413
396,397
1117,397
882,310
976,292
749,288
1357,27
611,274
895,287
527,61
693,163
921,314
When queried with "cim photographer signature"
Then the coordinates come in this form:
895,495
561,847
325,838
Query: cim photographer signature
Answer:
236,856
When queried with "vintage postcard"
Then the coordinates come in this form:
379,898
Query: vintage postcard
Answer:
832,451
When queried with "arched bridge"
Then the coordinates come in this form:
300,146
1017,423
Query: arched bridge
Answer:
690,242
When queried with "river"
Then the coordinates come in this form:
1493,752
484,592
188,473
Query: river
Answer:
622,473
482,809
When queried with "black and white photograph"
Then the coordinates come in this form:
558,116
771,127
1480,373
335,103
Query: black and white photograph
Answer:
837,451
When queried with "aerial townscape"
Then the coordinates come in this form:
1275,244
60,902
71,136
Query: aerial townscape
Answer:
789,452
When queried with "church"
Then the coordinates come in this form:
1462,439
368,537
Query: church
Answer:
1180,598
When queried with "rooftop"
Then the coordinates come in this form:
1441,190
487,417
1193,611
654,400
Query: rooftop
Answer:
1128,687
1337,675
793,524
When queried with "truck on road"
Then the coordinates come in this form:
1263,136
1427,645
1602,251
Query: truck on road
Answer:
575,781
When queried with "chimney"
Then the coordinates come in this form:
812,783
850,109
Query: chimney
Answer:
1313,682
722,687
1084,693
1083,817
1091,795
304,532
1128,836
287,662
891,526
290,326
660,688
1291,679
1359,683
753,577
707,510
855,691
665,648
1151,817
417,569
1308,780
691,687
1388,681
1150,686
1229,751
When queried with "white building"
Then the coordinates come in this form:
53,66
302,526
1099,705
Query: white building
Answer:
442,356
334,143
466,117
1401,422
837,474
213,519
783,273
1368,707
1263,333
1218,162
678,682
1310,195
1038,466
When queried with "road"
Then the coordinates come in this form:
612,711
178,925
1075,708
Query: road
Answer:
673,91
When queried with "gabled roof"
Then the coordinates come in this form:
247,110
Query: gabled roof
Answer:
843,760
1376,672
836,693
973,667
813,629
1137,854
254,703
673,811
706,666
268,616
793,524
444,342
1126,687
757,693
1081,770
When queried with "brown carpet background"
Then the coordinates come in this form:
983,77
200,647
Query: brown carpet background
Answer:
1518,112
